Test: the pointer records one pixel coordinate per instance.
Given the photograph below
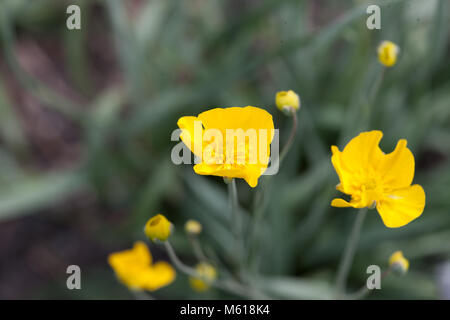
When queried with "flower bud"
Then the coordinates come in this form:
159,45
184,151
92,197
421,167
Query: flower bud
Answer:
398,263
158,227
208,274
193,227
287,101
387,53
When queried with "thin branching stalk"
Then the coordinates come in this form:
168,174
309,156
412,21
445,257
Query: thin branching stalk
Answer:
226,285
177,262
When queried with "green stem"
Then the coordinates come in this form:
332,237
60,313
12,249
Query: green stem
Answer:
364,291
259,207
141,295
226,285
198,251
291,138
177,262
371,97
236,220
349,253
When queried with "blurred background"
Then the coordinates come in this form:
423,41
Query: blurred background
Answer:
86,117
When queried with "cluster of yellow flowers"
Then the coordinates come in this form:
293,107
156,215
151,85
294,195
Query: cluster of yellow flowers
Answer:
370,177
135,269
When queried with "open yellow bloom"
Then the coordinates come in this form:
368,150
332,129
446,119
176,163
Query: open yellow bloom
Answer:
374,178
287,101
208,274
134,268
158,227
398,262
387,53
232,142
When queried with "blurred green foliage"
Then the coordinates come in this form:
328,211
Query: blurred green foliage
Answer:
176,58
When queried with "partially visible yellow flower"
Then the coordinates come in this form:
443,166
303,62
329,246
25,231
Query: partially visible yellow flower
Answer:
158,227
398,262
387,53
375,179
232,142
208,274
134,268
193,227
287,101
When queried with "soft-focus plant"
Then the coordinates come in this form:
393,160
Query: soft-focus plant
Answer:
86,119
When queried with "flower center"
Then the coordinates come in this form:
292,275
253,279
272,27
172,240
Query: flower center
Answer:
371,192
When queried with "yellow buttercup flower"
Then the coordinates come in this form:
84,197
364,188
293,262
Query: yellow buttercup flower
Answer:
158,227
193,227
134,268
399,263
232,142
374,179
387,53
208,274
287,101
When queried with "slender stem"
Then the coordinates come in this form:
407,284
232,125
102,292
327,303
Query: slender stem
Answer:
364,291
371,97
349,252
177,262
237,221
198,251
291,138
259,207
141,295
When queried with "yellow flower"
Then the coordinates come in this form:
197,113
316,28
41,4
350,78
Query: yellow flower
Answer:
232,142
398,262
287,101
374,179
193,227
387,53
158,227
208,274
134,268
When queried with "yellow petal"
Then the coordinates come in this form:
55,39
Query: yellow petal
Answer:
387,53
340,203
237,118
398,262
245,131
360,156
362,153
159,275
134,268
191,137
128,263
287,99
158,227
193,227
138,255
397,167
344,176
402,206
208,274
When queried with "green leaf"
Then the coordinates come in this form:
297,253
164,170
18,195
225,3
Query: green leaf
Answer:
30,194
296,288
